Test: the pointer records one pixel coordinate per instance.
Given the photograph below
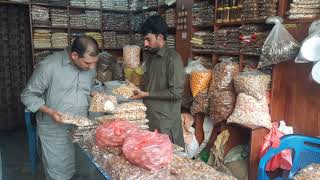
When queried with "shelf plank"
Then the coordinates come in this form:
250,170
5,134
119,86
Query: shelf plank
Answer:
50,48
228,23
12,2
50,27
226,53
84,8
201,52
115,10
107,30
84,28
202,26
49,5
300,21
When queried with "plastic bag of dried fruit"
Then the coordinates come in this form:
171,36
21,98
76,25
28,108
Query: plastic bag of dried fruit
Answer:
253,83
200,81
200,103
149,150
279,46
113,133
222,105
100,102
223,74
250,111
131,56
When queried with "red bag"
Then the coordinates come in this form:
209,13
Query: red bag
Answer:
113,133
282,160
149,150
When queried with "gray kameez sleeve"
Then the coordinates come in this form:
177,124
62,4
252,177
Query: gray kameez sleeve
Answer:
32,95
175,77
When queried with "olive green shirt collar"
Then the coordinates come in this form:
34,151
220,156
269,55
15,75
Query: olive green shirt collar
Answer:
162,50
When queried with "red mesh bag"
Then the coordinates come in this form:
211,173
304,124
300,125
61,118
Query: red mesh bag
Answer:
113,133
149,150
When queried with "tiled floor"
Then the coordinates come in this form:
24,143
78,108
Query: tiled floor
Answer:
16,165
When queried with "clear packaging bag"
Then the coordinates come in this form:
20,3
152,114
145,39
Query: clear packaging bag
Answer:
251,112
222,105
113,133
101,102
200,81
200,103
131,56
149,150
279,46
75,120
253,83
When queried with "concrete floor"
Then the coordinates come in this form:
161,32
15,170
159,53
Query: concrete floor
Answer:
16,165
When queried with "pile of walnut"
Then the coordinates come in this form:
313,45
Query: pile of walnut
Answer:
75,120
134,112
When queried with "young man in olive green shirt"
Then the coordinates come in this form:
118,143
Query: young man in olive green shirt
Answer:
163,81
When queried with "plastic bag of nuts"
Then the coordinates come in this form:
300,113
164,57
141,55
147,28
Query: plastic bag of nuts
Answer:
101,102
200,81
200,103
129,107
222,105
126,116
250,111
223,75
131,56
75,120
124,90
253,83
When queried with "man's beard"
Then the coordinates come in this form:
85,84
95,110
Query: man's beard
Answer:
152,50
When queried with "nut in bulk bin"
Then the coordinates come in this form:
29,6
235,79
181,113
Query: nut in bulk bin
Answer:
200,81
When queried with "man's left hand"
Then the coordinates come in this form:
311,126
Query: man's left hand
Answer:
138,94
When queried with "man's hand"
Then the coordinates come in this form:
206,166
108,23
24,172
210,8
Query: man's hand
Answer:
93,93
55,115
138,94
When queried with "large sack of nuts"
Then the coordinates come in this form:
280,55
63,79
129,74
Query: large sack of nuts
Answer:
222,105
250,111
149,150
100,102
113,133
223,75
200,81
253,83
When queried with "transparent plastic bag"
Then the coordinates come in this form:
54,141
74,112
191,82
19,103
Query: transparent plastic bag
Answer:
200,103
253,83
113,133
149,150
131,56
279,46
309,48
200,81
251,112
194,66
75,120
222,105
100,102
223,74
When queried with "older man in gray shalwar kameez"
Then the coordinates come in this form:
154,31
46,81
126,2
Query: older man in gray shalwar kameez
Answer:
61,83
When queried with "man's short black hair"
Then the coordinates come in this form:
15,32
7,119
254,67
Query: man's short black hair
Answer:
81,44
155,25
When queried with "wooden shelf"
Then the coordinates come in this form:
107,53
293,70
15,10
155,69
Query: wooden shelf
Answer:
228,23
49,5
203,26
201,52
245,54
50,48
245,126
84,28
107,30
85,8
115,10
226,53
50,27
12,2
113,49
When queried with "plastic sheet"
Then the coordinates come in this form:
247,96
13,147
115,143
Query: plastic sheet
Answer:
149,150
113,133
